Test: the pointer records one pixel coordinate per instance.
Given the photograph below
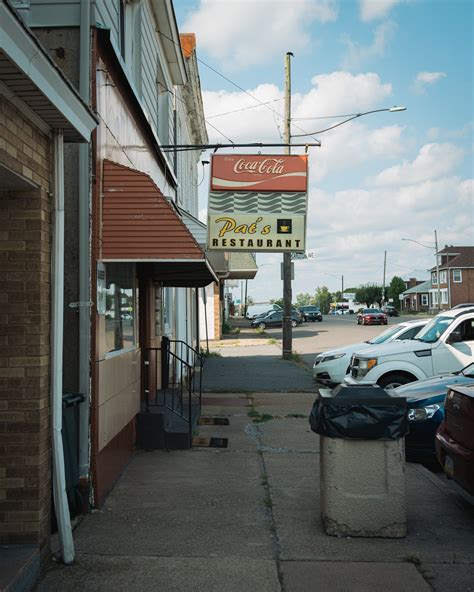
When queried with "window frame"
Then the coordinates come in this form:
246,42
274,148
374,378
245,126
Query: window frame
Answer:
459,281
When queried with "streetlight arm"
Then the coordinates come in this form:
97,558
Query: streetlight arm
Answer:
418,243
391,109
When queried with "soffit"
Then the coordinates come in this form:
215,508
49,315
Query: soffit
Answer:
30,75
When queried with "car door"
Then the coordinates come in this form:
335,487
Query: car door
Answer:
457,348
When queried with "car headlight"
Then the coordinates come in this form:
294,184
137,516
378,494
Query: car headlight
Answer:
366,365
332,357
422,413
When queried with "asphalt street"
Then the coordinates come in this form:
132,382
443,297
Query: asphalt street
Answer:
312,338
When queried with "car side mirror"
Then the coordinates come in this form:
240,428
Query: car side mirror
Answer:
455,337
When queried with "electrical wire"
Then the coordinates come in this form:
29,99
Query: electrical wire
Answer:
236,85
338,124
243,109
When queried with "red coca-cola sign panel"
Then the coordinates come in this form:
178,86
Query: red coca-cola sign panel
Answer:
250,172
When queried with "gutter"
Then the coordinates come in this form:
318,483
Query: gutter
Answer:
84,256
57,328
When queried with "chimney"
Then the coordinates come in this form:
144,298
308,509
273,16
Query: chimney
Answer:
412,283
188,43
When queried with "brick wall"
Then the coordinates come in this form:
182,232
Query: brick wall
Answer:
462,292
25,277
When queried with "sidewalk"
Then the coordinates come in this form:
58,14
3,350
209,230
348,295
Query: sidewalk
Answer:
247,517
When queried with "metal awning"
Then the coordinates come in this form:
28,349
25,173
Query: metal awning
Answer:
28,75
140,225
242,266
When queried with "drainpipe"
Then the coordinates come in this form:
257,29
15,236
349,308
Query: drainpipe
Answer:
57,326
84,255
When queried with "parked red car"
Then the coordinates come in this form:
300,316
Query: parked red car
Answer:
455,436
371,316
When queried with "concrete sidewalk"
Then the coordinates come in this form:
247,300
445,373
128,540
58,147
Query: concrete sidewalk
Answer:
248,517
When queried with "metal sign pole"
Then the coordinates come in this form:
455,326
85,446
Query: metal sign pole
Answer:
287,296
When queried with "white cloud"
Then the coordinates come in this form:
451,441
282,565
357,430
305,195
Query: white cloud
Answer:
244,33
349,231
370,10
341,92
433,161
423,79
358,54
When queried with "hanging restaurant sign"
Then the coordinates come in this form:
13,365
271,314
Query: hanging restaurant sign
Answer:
258,203
253,232
251,172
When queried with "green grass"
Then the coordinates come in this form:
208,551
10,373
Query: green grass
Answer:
271,341
258,417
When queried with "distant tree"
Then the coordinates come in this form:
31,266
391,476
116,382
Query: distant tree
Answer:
397,286
369,294
250,300
278,301
322,298
303,299
337,296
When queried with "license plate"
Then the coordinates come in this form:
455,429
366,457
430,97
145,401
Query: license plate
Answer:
449,466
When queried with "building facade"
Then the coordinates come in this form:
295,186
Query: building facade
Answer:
40,114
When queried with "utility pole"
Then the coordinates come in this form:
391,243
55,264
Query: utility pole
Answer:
437,270
287,345
342,287
384,268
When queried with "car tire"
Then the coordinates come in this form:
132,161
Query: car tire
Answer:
294,323
394,379
320,320
262,326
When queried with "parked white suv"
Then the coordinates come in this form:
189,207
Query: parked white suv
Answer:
445,344
330,367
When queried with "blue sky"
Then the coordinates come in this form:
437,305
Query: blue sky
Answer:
374,181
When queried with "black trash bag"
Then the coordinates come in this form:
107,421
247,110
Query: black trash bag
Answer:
355,414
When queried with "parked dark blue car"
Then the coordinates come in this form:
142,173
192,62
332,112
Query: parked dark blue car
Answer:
425,403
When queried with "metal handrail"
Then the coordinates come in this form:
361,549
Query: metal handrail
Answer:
178,374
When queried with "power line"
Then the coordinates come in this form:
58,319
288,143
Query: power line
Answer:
243,109
235,84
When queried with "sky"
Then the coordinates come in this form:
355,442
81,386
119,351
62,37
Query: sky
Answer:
375,180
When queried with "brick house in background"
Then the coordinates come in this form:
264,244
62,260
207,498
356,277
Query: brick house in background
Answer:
456,277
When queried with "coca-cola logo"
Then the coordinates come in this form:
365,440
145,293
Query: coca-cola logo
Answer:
269,166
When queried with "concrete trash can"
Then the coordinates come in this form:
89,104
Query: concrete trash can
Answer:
362,461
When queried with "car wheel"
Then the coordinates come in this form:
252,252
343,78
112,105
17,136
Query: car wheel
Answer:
294,323
262,326
320,320
391,381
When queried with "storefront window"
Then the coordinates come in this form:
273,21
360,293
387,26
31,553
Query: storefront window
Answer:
121,297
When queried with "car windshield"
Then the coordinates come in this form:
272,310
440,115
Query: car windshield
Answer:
372,311
468,370
385,335
434,329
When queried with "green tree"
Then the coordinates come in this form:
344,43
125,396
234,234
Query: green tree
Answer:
250,300
303,299
322,298
369,294
397,286
278,301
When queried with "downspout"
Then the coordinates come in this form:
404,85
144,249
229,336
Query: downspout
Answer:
84,256
57,326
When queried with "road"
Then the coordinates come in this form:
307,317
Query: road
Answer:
312,338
